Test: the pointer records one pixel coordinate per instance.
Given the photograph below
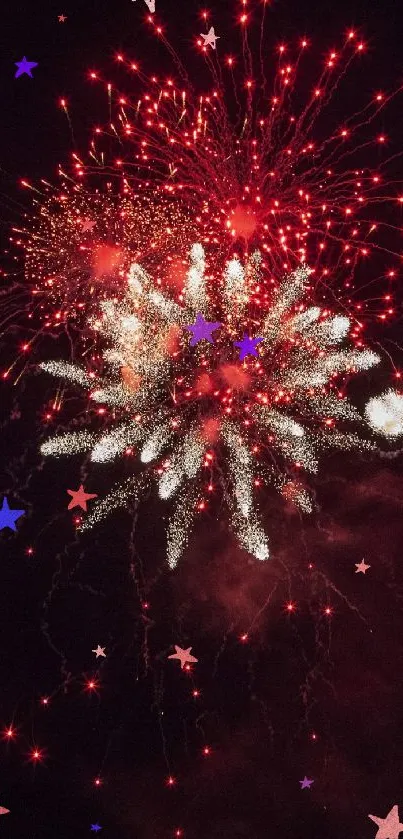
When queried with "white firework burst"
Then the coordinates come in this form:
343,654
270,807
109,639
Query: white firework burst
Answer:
385,413
185,408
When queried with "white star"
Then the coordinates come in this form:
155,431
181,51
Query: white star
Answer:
183,656
151,5
99,651
361,567
390,827
210,38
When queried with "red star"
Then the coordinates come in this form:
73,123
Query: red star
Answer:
79,498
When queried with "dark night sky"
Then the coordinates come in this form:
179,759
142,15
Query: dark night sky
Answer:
306,695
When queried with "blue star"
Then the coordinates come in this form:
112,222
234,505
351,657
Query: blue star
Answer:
25,66
96,827
247,346
8,517
202,329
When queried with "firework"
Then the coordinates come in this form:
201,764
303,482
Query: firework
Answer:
247,160
249,155
385,414
241,164
191,408
244,180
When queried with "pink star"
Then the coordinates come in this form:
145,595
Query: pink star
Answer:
361,567
87,225
210,38
62,18
306,783
390,827
79,498
183,656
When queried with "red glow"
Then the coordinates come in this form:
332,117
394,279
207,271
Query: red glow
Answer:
106,260
235,376
91,686
9,733
210,430
204,384
243,221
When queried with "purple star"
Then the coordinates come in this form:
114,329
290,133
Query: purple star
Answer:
8,517
306,783
25,66
96,827
247,346
202,329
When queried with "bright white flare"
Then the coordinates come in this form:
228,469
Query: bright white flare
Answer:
385,413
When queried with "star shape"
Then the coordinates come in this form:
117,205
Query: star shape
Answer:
361,567
100,651
25,66
9,517
87,225
390,827
62,18
210,38
96,827
3,811
79,498
202,329
247,346
306,783
183,656
151,5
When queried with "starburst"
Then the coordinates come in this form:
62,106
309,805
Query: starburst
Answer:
188,408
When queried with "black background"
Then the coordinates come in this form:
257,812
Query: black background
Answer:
307,694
